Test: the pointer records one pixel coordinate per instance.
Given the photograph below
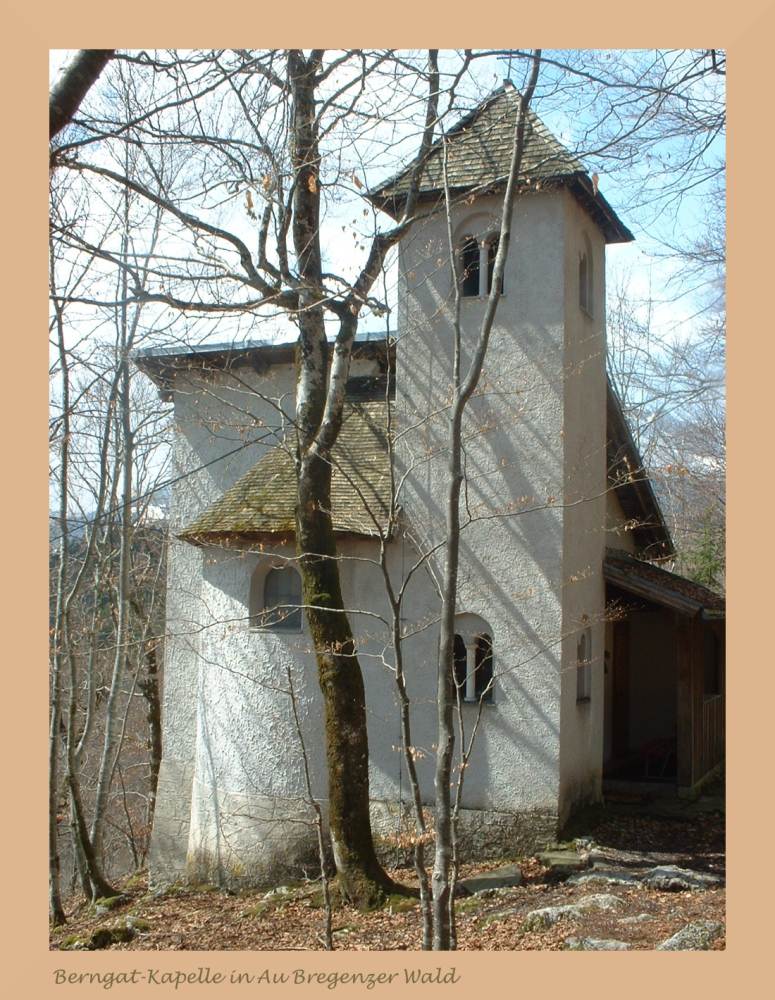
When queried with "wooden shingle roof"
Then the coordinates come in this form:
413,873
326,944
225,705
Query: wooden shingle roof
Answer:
263,501
628,477
479,156
661,586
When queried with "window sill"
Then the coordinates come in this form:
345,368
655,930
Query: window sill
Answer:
478,298
268,630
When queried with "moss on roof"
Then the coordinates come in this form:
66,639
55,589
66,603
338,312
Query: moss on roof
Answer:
263,501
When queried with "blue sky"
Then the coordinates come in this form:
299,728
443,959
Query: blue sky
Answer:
569,106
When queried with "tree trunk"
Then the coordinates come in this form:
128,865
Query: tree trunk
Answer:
361,877
318,419
54,870
445,739
443,937
80,75
150,691
113,737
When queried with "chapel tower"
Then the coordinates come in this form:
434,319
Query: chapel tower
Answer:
535,439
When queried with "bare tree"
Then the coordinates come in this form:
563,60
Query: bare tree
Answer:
102,434
464,386
294,179
282,131
78,77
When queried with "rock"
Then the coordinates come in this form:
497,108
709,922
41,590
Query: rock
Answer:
505,877
74,942
608,876
108,903
104,937
611,857
698,936
493,918
280,890
138,924
595,944
547,916
583,843
563,862
640,918
671,878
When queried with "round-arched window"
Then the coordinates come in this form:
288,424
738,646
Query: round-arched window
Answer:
477,264
275,600
473,658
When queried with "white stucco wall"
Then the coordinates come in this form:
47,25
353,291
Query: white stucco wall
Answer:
584,436
534,438
511,562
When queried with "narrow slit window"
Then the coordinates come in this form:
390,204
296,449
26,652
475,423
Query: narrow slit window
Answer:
583,290
584,666
586,282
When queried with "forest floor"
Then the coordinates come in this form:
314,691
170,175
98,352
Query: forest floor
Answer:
291,917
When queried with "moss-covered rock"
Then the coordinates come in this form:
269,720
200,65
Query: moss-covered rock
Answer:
73,942
138,924
397,903
108,903
104,937
138,880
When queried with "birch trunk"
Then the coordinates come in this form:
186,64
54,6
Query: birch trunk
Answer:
463,390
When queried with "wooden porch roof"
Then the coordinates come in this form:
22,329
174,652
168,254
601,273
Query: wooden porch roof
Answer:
661,586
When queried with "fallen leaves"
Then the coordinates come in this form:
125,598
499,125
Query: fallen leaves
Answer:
201,918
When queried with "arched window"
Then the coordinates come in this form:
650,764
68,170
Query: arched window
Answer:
477,263
473,659
275,600
584,666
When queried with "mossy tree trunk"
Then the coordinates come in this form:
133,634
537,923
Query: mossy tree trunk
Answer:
362,879
319,404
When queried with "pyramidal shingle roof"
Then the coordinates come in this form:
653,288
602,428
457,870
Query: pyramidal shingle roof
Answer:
263,501
479,150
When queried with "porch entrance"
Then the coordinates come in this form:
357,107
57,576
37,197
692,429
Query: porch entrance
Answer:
664,679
